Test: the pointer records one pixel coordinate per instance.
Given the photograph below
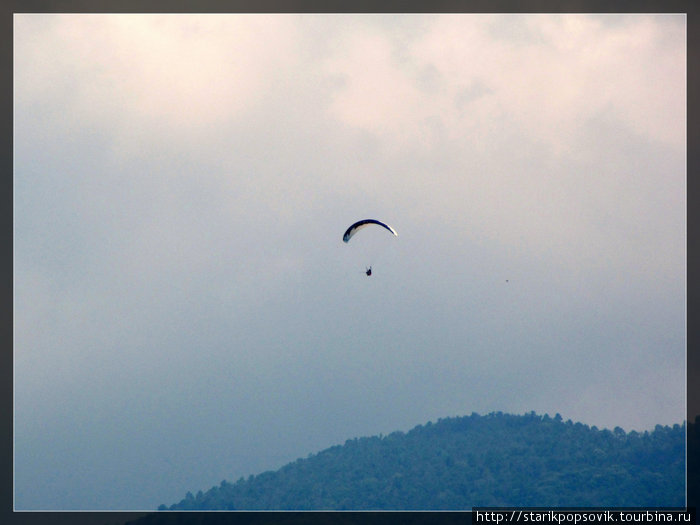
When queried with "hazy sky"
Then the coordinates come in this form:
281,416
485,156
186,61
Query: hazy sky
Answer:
186,310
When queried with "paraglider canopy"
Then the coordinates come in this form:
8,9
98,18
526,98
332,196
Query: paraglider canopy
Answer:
353,229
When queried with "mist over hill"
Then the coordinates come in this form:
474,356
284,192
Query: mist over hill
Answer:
463,462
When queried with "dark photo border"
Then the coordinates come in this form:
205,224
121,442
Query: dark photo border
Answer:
8,516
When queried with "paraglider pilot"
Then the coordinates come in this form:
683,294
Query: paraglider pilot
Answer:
369,271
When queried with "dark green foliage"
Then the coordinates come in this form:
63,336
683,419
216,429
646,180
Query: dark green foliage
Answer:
472,461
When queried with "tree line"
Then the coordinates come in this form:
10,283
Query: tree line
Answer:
472,461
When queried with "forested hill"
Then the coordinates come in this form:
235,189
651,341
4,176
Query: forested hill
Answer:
463,462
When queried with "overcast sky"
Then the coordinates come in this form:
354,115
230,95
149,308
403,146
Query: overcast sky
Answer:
186,310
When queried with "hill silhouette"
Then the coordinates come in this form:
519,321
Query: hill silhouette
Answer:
463,462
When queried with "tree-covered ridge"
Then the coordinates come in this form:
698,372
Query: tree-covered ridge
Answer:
471,461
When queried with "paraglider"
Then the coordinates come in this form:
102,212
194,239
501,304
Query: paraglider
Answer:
354,228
